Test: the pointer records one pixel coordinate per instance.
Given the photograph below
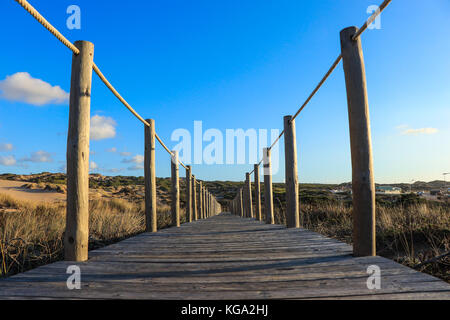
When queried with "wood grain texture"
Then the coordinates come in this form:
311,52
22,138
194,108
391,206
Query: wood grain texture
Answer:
291,174
226,257
150,177
175,192
363,185
77,216
257,193
268,194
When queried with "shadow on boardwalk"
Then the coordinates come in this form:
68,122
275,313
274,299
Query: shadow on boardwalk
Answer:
226,257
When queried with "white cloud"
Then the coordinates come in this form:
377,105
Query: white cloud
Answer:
136,167
112,150
6,146
38,156
93,165
7,160
419,131
22,87
125,154
137,159
102,127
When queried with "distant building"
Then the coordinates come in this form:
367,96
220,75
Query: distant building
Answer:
388,190
435,192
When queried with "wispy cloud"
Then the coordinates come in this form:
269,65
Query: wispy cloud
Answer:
125,154
7,161
112,150
38,156
102,127
136,167
93,166
137,159
419,131
6,147
22,87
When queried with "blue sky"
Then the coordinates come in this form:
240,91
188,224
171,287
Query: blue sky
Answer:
229,64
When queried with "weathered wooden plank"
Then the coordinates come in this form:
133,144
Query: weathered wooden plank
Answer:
206,260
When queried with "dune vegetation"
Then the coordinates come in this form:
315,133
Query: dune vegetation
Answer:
31,234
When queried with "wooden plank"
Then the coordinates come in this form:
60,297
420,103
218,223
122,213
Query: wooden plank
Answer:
184,263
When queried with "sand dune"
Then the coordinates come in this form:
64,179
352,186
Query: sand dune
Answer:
14,189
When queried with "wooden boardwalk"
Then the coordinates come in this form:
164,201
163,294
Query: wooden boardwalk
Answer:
226,257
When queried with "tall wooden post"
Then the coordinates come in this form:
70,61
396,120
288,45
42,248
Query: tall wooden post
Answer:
209,205
291,175
245,198
206,203
76,237
194,197
189,194
241,203
363,187
200,200
150,177
257,194
175,190
249,196
268,194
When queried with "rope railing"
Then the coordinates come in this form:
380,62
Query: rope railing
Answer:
28,7
363,186
371,19
75,245
334,65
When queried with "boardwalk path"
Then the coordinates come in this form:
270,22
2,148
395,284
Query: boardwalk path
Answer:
226,257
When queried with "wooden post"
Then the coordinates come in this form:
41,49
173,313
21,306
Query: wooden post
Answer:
200,200
189,194
363,187
150,177
257,194
76,237
194,197
209,205
208,199
175,190
268,194
206,203
241,203
291,175
244,198
249,196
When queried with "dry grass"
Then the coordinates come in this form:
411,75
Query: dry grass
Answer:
408,234
31,234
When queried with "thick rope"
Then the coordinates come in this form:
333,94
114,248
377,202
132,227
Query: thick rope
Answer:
114,91
336,62
371,18
47,25
333,66
28,7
